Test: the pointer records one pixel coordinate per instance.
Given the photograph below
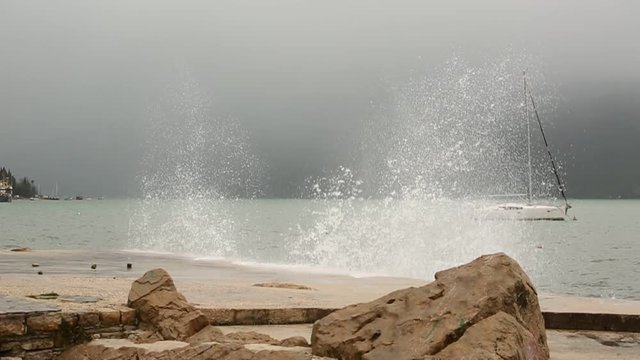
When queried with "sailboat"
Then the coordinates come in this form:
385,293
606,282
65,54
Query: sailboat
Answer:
529,210
54,195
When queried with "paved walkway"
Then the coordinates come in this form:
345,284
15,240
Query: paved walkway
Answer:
13,305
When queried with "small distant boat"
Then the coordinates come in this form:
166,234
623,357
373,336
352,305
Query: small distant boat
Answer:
529,210
5,198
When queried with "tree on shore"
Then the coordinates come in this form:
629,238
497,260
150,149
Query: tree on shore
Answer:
24,187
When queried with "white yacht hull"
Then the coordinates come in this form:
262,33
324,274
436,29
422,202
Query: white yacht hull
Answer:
515,211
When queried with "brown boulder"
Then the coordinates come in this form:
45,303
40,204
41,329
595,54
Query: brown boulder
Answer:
497,337
294,341
207,334
162,308
144,336
151,281
416,322
250,337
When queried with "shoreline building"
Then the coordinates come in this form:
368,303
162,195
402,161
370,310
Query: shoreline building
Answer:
6,190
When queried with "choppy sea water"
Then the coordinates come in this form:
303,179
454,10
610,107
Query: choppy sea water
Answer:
597,255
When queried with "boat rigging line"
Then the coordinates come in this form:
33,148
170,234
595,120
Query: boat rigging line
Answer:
553,164
526,118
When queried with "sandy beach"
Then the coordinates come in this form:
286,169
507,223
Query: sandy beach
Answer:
207,283
219,284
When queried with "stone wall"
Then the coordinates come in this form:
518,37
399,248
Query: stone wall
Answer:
276,316
43,335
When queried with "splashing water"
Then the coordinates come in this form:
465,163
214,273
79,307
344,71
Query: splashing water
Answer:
399,237
193,160
449,140
458,133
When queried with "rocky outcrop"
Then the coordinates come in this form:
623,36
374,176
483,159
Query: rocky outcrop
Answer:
124,350
163,309
170,350
207,334
250,337
165,316
269,316
294,341
472,300
497,337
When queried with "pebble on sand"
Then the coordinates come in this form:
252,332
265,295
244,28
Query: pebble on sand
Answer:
284,286
94,266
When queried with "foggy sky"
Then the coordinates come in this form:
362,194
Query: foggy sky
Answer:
77,79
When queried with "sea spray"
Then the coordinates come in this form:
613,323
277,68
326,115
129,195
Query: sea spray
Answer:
407,209
397,237
194,159
428,164
457,132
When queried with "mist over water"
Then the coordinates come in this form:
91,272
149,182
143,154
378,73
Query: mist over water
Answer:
451,139
459,131
408,209
193,159
291,90
193,152
413,237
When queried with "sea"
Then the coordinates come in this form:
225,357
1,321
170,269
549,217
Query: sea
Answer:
597,255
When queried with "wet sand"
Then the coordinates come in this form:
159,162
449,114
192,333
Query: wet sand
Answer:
207,283
218,283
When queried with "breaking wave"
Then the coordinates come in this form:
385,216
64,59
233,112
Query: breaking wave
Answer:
193,159
428,162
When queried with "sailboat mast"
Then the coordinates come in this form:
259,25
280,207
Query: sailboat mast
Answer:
526,118
553,163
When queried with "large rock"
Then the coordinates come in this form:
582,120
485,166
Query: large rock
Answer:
207,334
250,337
163,309
497,337
417,322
